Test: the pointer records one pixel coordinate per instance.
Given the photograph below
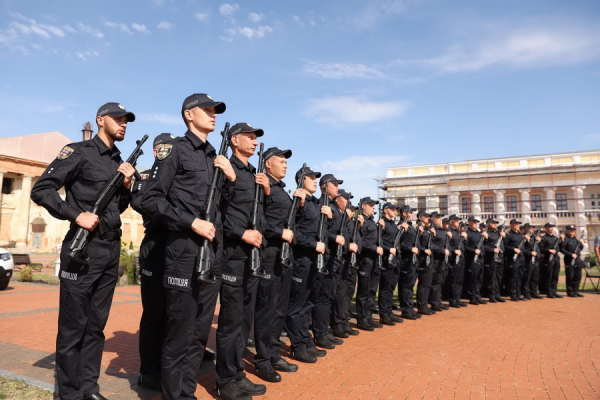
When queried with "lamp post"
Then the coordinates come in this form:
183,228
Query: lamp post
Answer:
87,131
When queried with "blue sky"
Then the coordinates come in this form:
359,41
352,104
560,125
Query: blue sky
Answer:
350,86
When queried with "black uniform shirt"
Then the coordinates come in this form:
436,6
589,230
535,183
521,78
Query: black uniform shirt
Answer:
368,232
438,243
350,229
307,225
333,224
548,243
84,169
473,237
490,244
389,234
176,191
277,208
511,242
408,239
568,247
424,241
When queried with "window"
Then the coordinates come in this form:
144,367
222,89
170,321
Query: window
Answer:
466,205
561,202
488,204
422,204
7,185
444,204
511,203
401,201
536,202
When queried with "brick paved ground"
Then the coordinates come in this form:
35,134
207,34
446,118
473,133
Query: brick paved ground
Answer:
544,349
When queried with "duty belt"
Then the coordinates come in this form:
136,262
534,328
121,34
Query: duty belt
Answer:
110,235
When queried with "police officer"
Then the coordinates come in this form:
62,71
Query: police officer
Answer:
456,268
340,327
239,286
425,263
368,273
529,255
493,261
273,291
409,250
550,246
304,282
474,261
515,241
390,272
571,248
441,257
534,268
174,195
86,291
153,323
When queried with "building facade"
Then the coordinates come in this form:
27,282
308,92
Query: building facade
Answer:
560,188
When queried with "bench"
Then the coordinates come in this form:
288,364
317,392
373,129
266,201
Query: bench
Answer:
23,260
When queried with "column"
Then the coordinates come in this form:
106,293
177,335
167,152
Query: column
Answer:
22,227
499,206
525,205
476,204
453,203
581,220
550,206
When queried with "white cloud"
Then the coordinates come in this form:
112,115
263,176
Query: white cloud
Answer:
310,18
89,30
165,25
53,29
376,11
342,71
254,17
166,119
227,10
140,27
119,25
86,55
345,110
250,33
69,28
202,17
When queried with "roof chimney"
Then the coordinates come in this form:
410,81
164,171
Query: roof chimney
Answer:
87,131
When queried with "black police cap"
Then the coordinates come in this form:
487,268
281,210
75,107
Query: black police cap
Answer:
202,100
491,221
423,213
515,221
242,127
570,227
330,178
436,214
406,209
391,206
162,138
526,225
482,225
445,221
115,110
453,217
367,200
473,219
344,194
548,225
274,151
307,172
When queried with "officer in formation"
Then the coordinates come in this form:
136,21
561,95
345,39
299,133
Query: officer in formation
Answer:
244,234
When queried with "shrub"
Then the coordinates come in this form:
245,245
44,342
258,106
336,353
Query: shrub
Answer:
128,261
26,274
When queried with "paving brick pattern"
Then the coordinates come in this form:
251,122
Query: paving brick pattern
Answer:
542,349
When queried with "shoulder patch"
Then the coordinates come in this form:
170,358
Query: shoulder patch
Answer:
65,153
144,176
163,151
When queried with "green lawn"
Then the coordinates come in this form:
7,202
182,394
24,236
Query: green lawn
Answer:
15,389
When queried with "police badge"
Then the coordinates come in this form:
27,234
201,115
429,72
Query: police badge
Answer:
65,153
163,151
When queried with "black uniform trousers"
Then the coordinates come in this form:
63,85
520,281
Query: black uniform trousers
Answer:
408,278
321,312
474,274
86,293
304,282
527,268
440,273
368,281
349,278
490,273
454,282
573,275
425,278
236,298
387,283
497,288
280,301
516,269
340,305
551,272
190,313
154,307
534,276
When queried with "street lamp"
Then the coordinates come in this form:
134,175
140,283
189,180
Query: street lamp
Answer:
87,131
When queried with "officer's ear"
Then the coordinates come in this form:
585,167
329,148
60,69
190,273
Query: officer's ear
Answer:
268,164
100,122
235,140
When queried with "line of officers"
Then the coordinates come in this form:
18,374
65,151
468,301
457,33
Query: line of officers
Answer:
355,253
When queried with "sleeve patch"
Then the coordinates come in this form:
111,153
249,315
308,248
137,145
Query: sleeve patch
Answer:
144,176
65,153
163,151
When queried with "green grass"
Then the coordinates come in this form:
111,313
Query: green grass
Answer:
15,389
44,278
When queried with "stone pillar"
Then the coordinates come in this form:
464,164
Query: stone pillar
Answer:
453,203
476,204
551,205
525,205
581,220
499,208
22,227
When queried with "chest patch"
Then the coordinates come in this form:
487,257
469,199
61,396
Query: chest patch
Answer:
65,153
163,151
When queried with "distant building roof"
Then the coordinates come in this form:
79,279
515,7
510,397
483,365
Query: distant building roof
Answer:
38,147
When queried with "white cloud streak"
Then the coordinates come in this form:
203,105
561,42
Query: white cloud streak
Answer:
254,17
165,25
202,17
250,33
344,110
341,70
227,10
86,55
140,28
89,30
120,26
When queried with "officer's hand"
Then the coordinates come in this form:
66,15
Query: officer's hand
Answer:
497,250
458,252
287,235
128,171
353,247
539,239
464,234
428,252
349,212
404,225
340,240
327,211
204,229
574,256
582,241
381,223
562,236
485,235
223,163
503,234
533,254
393,251
449,235
299,193
87,221
447,252
361,219
477,251
421,229
252,237
320,247
262,180
552,251
528,237
432,230
517,251
415,250
379,250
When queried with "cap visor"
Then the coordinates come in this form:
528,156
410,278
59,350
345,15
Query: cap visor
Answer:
130,115
219,107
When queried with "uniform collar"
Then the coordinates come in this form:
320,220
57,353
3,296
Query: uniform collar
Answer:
371,217
196,141
240,165
104,148
275,182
